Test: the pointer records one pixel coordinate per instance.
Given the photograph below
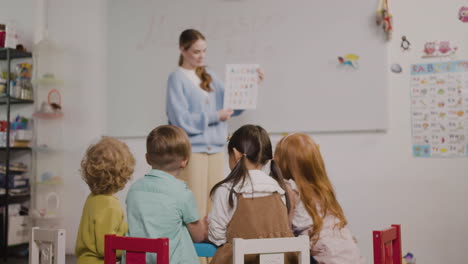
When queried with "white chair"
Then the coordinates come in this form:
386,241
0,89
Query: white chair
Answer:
271,250
47,246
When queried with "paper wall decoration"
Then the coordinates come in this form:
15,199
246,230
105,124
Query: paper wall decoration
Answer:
439,109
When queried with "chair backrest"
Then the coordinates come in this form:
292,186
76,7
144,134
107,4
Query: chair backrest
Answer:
271,250
387,246
47,246
136,249
205,249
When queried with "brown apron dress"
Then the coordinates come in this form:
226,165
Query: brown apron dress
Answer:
259,217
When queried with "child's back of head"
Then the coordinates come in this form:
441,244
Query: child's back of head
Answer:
254,145
249,203
167,148
107,166
299,159
159,204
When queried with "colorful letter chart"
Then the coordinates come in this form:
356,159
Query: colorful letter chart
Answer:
439,109
241,86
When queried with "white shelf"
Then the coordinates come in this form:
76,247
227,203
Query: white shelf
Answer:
48,81
49,183
44,115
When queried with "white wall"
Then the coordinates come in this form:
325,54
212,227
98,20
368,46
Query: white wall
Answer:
377,180
79,28
21,14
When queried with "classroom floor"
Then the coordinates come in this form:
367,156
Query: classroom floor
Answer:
70,259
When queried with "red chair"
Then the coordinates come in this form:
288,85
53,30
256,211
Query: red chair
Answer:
387,246
136,249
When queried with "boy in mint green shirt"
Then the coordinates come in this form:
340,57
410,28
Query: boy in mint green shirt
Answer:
159,205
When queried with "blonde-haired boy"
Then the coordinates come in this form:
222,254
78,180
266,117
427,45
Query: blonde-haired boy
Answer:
106,168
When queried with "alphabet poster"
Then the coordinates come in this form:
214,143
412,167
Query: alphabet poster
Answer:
241,86
439,109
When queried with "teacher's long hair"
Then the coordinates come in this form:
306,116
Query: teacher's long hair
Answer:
186,40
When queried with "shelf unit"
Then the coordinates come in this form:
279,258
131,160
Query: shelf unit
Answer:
16,148
8,55
3,100
16,199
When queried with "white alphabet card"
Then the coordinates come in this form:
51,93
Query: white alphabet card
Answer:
241,86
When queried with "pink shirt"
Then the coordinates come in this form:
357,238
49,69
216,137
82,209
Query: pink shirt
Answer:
335,246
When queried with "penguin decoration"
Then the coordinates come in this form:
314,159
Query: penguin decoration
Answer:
405,44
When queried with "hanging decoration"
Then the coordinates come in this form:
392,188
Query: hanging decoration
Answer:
384,18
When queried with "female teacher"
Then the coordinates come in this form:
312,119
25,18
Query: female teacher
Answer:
194,102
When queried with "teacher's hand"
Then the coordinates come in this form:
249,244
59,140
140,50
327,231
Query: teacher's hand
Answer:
225,114
261,75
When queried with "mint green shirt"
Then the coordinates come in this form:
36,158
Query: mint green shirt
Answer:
159,205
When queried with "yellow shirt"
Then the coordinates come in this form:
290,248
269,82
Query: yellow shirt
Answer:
102,214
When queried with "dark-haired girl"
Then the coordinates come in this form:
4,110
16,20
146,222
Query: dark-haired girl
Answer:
249,203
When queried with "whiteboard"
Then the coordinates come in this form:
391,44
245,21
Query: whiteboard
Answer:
295,42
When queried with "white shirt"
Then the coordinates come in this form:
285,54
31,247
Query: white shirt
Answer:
259,184
301,221
192,75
